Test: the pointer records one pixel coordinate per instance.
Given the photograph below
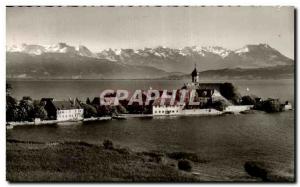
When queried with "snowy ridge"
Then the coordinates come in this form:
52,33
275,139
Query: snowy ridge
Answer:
242,50
217,50
117,54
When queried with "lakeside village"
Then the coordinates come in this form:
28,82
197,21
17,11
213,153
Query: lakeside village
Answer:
202,99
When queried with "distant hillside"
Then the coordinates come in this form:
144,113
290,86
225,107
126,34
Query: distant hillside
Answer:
72,66
277,72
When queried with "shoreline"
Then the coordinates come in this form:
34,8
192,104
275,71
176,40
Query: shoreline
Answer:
159,79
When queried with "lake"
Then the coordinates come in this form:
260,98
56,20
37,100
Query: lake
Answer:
225,142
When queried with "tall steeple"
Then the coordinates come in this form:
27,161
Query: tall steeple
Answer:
195,75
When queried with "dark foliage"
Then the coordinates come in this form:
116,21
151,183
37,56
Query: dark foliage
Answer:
266,171
88,101
248,100
89,111
256,169
185,155
228,91
39,110
272,105
185,165
219,105
108,144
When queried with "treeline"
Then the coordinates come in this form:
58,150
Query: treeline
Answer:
94,109
24,110
270,105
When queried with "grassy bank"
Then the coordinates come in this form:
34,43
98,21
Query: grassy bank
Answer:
29,161
80,161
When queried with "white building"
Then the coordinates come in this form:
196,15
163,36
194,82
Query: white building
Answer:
159,110
167,108
68,110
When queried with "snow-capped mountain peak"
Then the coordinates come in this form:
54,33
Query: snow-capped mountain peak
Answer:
217,50
55,48
242,50
84,51
60,48
30,49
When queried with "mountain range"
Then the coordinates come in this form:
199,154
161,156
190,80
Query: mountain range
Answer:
62,61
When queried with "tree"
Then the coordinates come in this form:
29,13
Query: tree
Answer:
11,108
248,100
88,101
39,110
272,105
121,109
89,111
228,91
26,109
219,105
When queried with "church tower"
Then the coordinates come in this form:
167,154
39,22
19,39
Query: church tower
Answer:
195,75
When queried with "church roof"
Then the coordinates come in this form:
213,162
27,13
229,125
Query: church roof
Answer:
195,72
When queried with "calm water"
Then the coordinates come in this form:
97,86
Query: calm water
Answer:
226,142
82,89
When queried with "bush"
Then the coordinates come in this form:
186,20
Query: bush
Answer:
124,151
248,100
219,105
185,165
272,105
268,172
108,144
228,91
39,110
89,111
256,169
185,155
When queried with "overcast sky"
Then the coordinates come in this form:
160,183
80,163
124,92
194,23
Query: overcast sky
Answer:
138,27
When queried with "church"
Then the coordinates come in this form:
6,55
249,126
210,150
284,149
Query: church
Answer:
195,84
207,92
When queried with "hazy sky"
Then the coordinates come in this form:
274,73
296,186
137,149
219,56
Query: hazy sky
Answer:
138,27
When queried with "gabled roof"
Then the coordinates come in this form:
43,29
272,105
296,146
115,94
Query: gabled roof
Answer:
66,105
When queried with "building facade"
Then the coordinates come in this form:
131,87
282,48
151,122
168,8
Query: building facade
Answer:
63,110
159,110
